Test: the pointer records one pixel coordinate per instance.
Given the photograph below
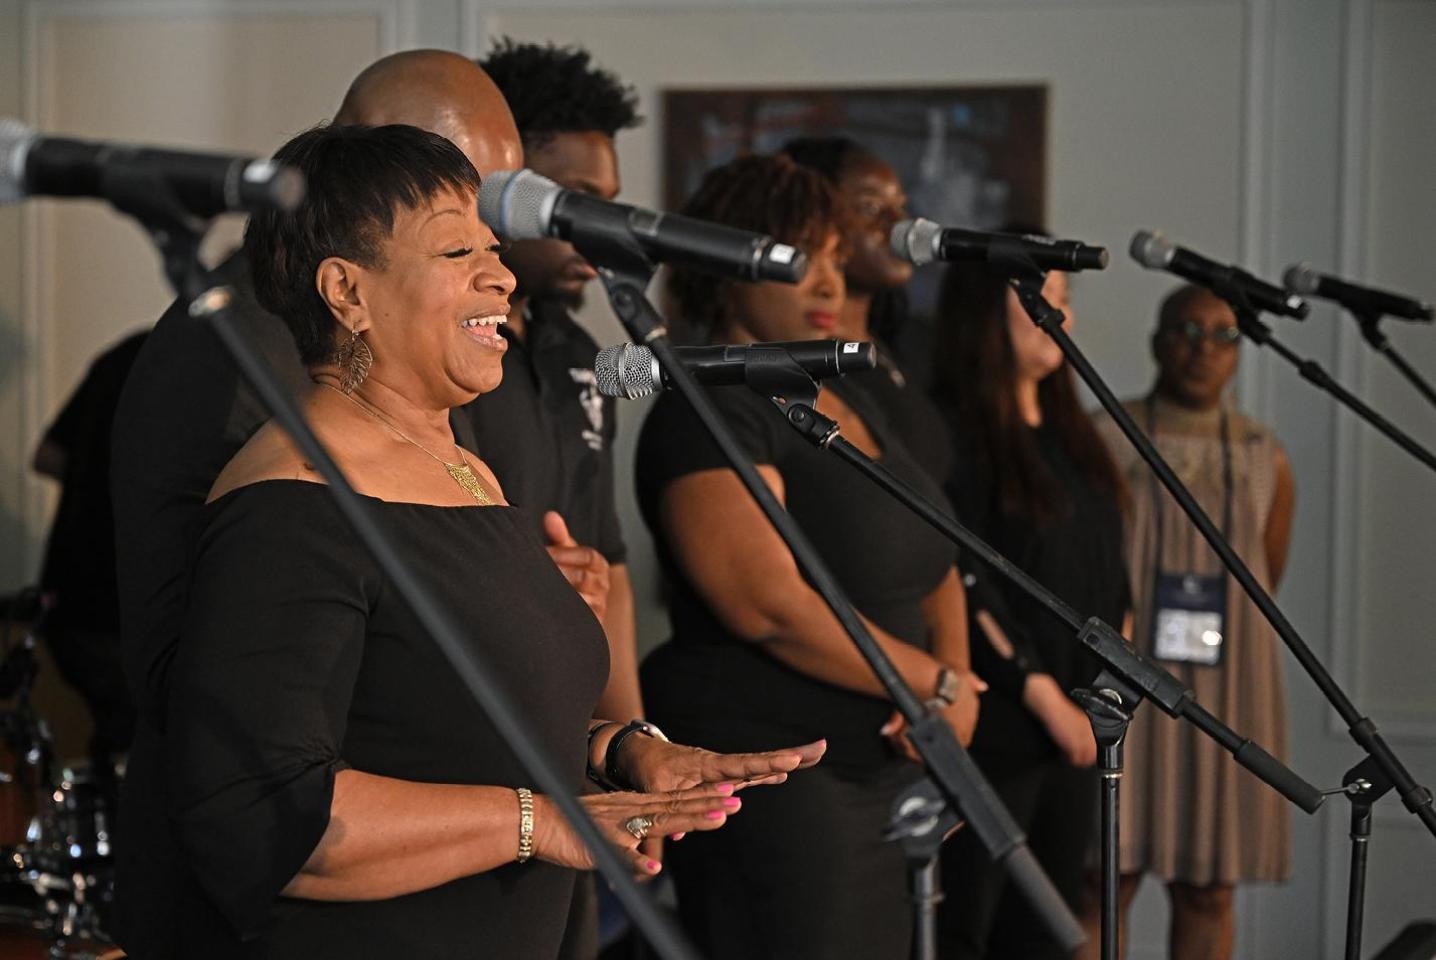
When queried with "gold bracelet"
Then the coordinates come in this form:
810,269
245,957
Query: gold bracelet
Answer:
526,824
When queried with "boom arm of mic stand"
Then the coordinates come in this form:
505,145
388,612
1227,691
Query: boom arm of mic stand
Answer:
948,764
1258,332
179,237
1119,656
1027,281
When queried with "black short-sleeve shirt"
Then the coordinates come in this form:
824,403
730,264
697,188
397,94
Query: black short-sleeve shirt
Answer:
909,411
727,693
80,556
547,433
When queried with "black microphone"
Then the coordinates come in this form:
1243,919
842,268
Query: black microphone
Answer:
631,371
1362,301
522,205
922,241
1153,250
204,184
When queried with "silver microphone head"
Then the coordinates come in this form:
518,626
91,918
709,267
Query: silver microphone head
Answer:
1152,249
1301,278
518,204
626,370
15,140
915,240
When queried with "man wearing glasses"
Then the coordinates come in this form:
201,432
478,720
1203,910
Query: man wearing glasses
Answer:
1190,816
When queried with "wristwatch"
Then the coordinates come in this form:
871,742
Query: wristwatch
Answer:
949,684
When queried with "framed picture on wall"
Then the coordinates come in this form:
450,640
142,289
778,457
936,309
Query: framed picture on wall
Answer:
972,156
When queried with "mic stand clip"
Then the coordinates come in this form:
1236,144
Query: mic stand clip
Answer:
1364,784
1370,323
1109,704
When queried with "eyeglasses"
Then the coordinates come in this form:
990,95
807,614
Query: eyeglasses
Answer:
1194,333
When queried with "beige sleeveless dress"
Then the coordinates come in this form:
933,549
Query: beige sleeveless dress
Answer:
1188,812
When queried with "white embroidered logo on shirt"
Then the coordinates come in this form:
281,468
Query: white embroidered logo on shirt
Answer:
592,402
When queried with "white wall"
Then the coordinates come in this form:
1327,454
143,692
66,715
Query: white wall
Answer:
1261,130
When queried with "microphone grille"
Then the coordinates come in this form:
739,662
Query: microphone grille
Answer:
625,370
1300,278
517,204
15,140
915,240
1152,249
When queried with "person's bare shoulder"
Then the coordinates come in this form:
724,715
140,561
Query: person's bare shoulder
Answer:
269,455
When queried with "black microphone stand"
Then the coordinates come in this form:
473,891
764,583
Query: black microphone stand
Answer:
1370,323
626,271
178,236
1252,327
1385,769
1127,676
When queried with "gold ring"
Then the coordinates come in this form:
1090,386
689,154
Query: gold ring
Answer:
638,826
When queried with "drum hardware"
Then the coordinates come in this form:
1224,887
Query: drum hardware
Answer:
66,853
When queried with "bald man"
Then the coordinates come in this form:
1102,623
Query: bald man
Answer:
184,413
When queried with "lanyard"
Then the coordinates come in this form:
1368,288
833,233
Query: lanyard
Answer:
1226,484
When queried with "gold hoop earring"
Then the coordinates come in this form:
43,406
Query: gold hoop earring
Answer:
354,359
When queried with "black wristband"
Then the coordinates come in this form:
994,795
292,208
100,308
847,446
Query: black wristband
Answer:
611,773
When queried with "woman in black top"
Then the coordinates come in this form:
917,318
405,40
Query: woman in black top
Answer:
876,304
332,786
1033,479
755,653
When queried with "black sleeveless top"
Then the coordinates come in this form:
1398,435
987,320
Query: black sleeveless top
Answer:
298,660
726,693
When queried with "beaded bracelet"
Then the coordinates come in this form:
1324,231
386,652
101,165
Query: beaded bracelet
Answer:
526,824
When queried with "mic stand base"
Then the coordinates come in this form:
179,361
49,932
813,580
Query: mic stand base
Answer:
1109,705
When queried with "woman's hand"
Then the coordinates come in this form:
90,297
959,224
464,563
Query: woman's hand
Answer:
656,765
583,567
961,716
674,812
1063,720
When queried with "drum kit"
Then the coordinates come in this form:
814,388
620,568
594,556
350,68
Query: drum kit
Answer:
57,822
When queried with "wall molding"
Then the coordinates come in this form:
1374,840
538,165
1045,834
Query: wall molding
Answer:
1353,367
37,269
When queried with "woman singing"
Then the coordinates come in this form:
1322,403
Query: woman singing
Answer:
1033,479
334,788
756,654
876,304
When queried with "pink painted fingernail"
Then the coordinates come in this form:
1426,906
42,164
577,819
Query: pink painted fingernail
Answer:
732,803
715,814
654,866
725,789
677,836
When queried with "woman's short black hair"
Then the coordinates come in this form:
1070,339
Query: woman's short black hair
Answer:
357,178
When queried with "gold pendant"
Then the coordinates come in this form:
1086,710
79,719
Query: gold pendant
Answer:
465,478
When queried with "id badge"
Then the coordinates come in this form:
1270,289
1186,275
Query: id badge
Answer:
1190,619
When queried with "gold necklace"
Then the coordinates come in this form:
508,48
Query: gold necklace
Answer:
461,472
